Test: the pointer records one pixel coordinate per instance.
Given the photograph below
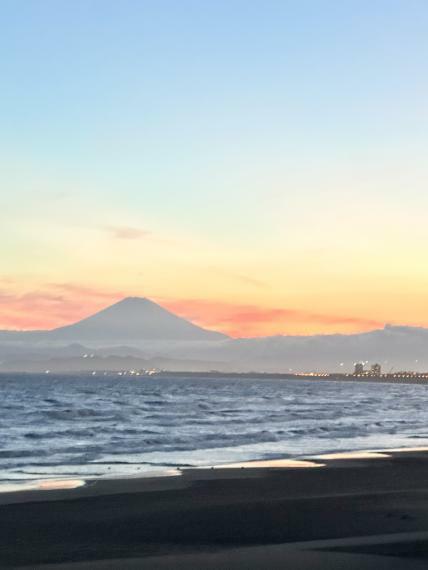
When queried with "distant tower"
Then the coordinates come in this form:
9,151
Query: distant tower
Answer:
376,370
359,368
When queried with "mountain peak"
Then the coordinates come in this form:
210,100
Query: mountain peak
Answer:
138,319
133,300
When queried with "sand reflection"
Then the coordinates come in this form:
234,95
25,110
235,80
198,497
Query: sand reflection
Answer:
47,485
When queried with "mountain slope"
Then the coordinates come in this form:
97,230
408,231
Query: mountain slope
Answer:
134,318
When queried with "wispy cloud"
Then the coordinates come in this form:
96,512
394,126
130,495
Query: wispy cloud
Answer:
83,291
251,281
240,277
4,280
128,232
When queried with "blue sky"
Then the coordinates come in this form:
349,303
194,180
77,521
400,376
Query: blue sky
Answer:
247,135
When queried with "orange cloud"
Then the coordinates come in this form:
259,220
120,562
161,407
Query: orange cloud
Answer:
251,320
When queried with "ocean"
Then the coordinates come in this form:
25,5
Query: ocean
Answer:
89,427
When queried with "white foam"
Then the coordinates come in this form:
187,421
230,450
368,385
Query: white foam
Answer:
353,455
274,463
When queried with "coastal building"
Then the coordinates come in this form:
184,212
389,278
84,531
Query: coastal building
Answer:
376,370
359,368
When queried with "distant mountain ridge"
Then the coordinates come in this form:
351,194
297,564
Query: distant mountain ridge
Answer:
138,332
131,319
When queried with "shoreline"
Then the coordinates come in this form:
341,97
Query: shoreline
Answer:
321,460
356,508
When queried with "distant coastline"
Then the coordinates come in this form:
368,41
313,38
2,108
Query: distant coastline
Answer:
397,378
404,378
401,378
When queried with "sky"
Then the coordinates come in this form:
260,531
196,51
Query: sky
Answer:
257,166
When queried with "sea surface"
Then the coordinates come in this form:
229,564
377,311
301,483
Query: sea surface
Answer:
89,427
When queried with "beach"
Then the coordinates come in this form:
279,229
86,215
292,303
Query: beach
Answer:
355,511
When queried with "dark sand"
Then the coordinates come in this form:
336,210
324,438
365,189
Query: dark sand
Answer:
352,513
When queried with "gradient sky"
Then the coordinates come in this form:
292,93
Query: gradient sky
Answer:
257,166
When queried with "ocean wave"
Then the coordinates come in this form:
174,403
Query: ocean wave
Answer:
64,425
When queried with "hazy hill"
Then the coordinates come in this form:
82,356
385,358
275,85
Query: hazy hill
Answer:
394,347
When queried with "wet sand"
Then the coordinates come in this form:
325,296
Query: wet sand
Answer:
360,512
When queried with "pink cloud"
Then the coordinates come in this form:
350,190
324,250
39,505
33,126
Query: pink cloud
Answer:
54,305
